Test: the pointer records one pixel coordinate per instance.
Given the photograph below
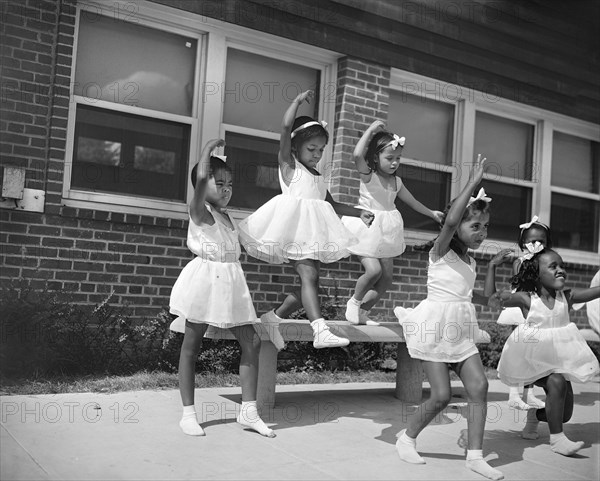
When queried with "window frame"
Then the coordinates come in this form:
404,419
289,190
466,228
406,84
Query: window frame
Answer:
469,101
213,38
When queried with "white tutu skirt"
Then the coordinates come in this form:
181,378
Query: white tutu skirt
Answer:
440,331
289,228
511,316
384,238
213,293
531,353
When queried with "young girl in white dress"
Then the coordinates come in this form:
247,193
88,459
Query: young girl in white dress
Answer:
547,350
531,234
377,159
301,225
442,330
211,290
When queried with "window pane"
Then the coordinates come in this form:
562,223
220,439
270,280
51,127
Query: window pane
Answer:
129,154
130,64
506,143
428,126
575,222
430,187
258,90
255,169
510,205
575,163
99,151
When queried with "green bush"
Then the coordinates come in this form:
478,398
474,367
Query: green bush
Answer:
45,334
490,352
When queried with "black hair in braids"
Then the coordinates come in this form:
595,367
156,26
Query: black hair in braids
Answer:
526,279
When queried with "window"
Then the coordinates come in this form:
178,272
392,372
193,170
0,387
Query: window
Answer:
258,90
426,168
133,92
148,93
575,200
508,146
129,154
539,163
254,181
134,65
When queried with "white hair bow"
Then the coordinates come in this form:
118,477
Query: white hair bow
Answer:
222,157
322,123
527,225
480,196
397,141
532,249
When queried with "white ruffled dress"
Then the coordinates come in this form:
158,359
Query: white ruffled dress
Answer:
443,327
548,342
297,224
211,288
384,238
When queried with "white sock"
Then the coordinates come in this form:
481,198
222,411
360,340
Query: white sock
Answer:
530,431
270,322
323,337
352,310
189,424
249,418
407,449
476,463
532,400
561,444
515,401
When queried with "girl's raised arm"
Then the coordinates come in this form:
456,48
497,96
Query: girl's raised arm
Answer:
407,198
513,299
584,295
198,211
490,279
455,214
362,145
286,161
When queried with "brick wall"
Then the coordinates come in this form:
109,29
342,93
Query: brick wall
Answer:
362,96
90,253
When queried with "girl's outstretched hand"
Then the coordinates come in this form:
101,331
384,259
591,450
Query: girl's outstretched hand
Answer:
477,169
438,216
503,256
213,144
377,126
367,217
306,96
497,299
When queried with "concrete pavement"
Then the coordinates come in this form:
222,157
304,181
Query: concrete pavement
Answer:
342,431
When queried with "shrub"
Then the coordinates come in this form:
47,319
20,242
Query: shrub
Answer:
490,352
44,333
